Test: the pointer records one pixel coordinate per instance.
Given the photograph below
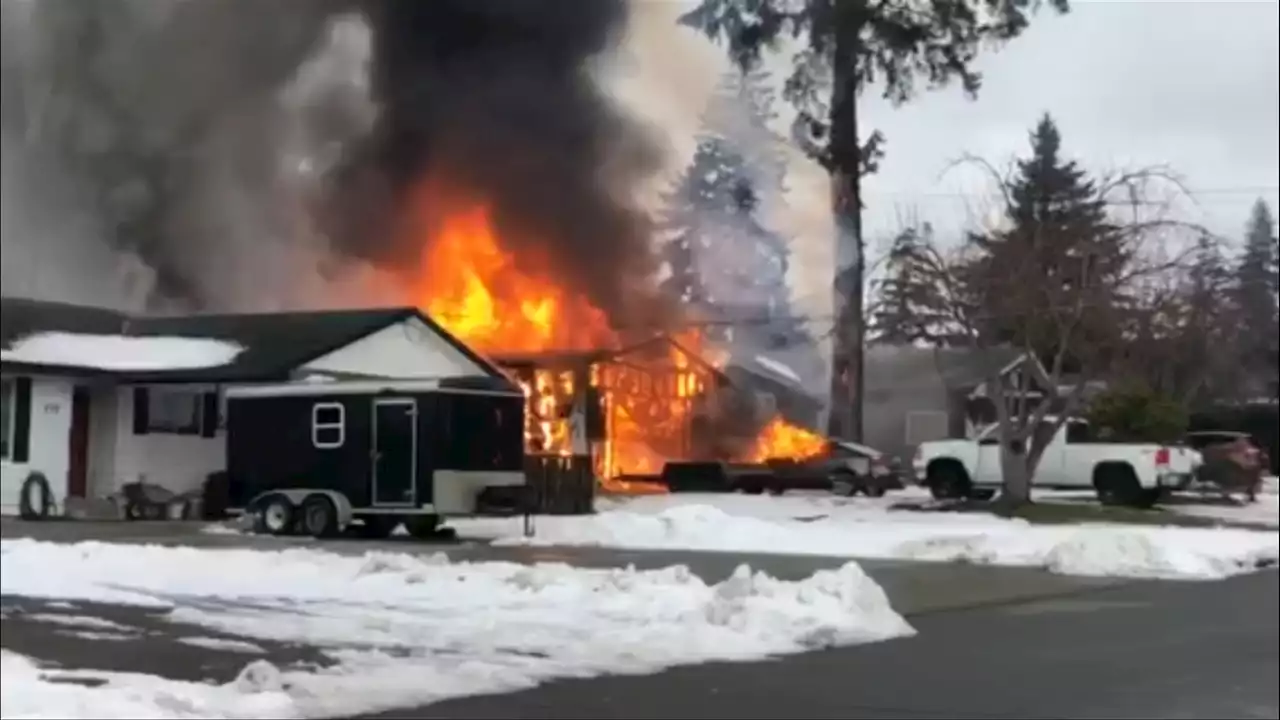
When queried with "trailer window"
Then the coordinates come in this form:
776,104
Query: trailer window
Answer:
328,425
7,408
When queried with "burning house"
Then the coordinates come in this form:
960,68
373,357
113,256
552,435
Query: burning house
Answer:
496,189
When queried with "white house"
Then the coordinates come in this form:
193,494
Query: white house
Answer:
94,400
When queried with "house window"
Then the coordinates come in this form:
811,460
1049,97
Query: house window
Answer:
174,410
328,425
7,406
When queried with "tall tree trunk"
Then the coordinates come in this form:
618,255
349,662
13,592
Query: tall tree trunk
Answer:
1015,467
847,377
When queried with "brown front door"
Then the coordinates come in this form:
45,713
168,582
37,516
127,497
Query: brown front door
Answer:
78,465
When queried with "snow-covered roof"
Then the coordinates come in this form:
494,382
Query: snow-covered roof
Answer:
120,353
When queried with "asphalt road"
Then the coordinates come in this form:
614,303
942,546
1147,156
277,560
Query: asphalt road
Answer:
1143,650
993,642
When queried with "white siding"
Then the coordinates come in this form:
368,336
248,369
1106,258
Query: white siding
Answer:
49,448
407,350
176,462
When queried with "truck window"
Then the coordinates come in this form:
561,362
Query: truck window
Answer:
1079,433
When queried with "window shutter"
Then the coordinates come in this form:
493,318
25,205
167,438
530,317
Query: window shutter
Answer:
209,415
141,410
21,420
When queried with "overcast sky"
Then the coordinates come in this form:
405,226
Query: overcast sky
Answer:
1194,85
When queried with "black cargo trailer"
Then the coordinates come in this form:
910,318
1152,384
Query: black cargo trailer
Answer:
312,458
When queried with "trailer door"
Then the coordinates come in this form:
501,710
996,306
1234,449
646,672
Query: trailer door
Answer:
395,452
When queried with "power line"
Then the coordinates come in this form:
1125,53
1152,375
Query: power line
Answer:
1191,192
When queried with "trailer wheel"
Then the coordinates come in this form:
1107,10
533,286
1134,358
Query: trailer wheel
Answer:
874,488
423,527
275,517
319,517
378,527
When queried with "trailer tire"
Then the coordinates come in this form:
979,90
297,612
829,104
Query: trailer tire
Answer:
874,488
423,527
275,516
378,527
319,517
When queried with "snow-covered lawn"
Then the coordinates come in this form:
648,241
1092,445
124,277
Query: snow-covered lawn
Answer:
825,525
407,630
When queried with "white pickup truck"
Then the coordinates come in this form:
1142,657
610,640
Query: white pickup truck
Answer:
1120,473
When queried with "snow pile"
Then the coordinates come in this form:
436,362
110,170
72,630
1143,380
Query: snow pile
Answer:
1094,549
121,352
405,630
29,692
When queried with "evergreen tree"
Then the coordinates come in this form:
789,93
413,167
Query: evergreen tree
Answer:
1203,364
848,45
721,256
1256,294
1058,240
714,244
906,305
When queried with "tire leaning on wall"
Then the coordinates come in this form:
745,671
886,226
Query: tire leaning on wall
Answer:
28,511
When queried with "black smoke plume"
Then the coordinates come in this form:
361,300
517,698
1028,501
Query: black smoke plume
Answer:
494,98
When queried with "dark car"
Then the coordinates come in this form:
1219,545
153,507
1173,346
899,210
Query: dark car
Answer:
844,468
1232,461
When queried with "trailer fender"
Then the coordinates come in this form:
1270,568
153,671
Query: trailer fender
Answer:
297,496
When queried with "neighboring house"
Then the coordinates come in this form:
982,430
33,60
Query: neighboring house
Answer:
95,400
777,389
918,394
786,381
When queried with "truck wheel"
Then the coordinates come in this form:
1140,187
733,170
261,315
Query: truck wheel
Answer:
319,517
274,517
947,481
1117,485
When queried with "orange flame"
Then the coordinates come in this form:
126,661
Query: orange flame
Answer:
782,440
470,282
477,290
500,304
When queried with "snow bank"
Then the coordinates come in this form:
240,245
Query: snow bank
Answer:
408,630
1096,550
28,693
121,352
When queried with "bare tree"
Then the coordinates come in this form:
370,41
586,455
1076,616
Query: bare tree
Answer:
1063,294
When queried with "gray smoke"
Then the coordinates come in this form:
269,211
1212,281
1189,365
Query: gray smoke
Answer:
496,99
240,154
157,134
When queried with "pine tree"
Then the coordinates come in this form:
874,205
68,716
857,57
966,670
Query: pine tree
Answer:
721,257
1256,293
1059,241
712,249
1203,364
905,307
